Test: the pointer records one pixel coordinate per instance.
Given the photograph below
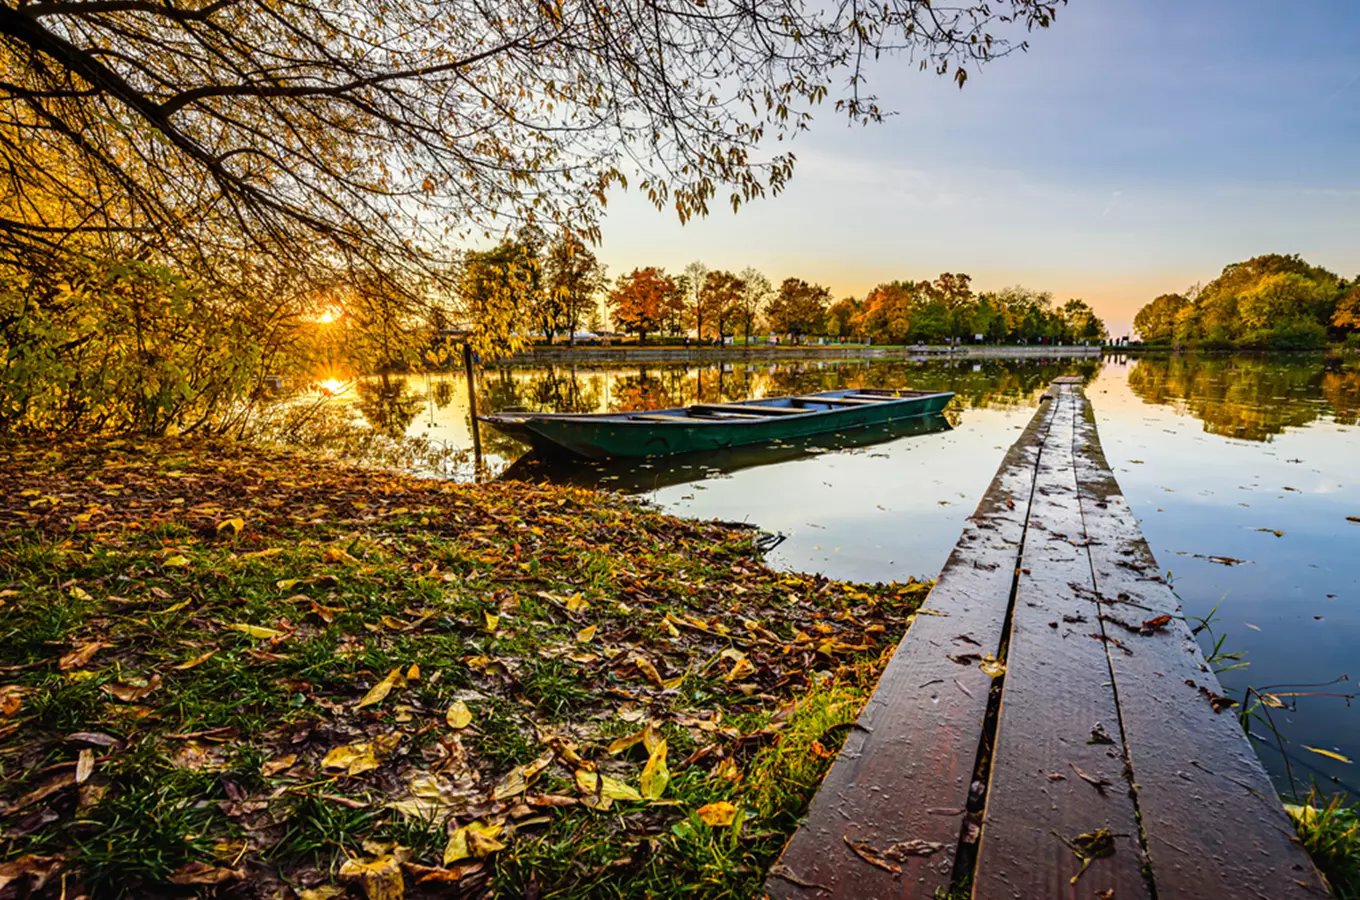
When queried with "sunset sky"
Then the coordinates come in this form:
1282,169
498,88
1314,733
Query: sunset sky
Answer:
1138,147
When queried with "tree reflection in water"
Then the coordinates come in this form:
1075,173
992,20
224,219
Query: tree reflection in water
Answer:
1251,397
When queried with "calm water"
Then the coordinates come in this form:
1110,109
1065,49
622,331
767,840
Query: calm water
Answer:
1215,455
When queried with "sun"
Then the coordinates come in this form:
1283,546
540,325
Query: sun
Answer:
330,314
332,386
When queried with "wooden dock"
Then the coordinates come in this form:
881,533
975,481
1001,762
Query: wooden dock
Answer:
1048,711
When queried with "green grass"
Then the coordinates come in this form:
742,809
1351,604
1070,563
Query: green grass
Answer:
398,574
1330,830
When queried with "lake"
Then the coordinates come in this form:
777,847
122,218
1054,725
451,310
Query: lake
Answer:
1243,471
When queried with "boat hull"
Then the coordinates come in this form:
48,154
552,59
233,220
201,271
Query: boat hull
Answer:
611,436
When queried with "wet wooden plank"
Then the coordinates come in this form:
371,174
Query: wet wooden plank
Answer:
1057,707
905,770
1213,822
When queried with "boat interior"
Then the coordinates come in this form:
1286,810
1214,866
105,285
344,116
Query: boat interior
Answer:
775,407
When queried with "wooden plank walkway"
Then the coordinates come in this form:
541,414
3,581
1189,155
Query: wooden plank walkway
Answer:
1099,734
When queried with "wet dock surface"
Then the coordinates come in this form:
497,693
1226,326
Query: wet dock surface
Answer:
1049,727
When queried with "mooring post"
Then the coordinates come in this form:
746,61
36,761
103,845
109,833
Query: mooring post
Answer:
472,405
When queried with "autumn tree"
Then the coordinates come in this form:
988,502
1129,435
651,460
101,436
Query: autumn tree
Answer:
798,308
1156,321
756,292
496,287
574,279
1347,314
643,300
1082,322
691,284
721,294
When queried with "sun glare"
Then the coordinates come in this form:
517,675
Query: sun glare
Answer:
332,386
329,314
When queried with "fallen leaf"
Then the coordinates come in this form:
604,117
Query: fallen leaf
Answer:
646,667
655,775
256,631
866,853
38,869
718,814
1327,753
518,779
278,764
1155,624
130,693
1088,847
585,634
1099,783
379,876
355,759
176,561
203,873
740,669
992,667
235,525
196,661
490,622
84,765
325,892
476,839
458,715
593,784
379,691
81,655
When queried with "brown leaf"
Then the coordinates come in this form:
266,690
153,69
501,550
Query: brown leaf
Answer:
1099,783
38,869
84,765
204,873
81,655
130,693
196,661
42,792
278,764
866,853
1156,624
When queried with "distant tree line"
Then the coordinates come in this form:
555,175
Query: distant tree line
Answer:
719,303
1269,302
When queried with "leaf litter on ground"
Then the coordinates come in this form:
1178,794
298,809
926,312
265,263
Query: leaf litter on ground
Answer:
228,665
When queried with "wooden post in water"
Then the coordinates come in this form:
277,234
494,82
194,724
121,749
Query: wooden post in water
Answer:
472,405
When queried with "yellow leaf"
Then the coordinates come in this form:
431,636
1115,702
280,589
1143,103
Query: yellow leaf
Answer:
380,877
286,583
618,745
325,892
176,607
196,661
476,839
719,814
593,784
518,779
81,594
338,554
256,631
741,669
354,759
992,667
655,775
413,673
577,603
727,770
651,737
1327,753
176,561
458,716
646,668
490,621
234,524
585,634
379,691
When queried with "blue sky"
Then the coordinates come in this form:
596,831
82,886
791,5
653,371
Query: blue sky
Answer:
1138,147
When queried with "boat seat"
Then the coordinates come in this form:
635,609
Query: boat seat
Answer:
749,409
656,418
835,401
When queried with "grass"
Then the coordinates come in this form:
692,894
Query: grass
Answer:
1329,828
193,627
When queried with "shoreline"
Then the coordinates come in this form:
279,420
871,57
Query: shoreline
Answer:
565,354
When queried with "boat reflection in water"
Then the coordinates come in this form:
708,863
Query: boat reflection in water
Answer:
633,476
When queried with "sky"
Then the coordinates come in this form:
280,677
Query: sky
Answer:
1138,147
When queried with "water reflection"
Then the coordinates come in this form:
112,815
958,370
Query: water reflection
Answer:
1253,398
635,477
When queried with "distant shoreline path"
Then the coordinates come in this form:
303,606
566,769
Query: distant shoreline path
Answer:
789,352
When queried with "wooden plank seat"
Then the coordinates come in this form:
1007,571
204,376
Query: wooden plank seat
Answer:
838,401
749,409
1100,726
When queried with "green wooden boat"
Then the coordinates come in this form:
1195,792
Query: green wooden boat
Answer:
712,426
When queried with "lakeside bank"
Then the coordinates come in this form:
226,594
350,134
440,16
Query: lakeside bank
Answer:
224,665
541,355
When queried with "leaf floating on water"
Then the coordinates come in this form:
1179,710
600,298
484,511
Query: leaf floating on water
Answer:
1272,531
1327,753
